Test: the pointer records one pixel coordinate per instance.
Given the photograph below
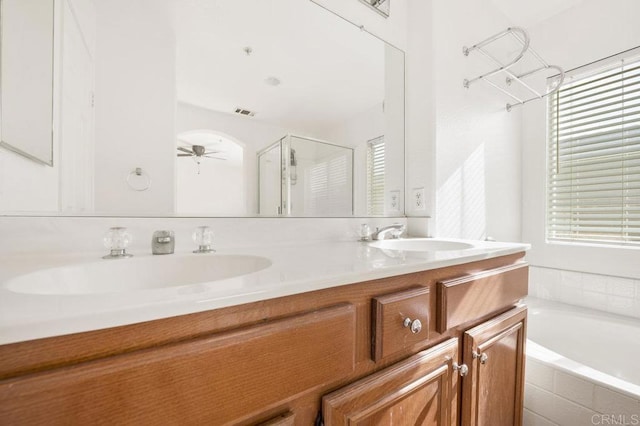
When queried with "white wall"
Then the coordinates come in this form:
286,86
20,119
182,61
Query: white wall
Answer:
214,187
595,33
135,106
477,142
420,108
392,29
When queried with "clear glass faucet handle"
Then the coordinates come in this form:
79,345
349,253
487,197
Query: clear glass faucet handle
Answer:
203,236
117,238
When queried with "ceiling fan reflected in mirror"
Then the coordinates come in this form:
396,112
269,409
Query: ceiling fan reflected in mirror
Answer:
198,152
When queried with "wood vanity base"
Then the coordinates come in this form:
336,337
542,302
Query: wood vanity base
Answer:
272,362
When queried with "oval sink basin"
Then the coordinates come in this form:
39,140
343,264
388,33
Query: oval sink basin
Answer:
144,273
420,244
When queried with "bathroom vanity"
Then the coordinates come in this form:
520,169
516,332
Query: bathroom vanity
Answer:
444,345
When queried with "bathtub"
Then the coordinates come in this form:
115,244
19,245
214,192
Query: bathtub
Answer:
583,366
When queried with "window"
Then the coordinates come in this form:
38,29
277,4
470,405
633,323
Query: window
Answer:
375,176
594,156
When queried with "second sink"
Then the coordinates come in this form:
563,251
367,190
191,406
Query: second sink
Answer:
421,244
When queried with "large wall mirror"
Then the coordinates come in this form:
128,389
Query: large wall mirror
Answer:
216,108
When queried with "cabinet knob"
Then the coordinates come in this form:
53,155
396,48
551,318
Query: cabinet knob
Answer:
415,326
483,357
463,370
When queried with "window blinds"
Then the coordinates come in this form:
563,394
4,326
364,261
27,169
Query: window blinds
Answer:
594,157
375,176
329,187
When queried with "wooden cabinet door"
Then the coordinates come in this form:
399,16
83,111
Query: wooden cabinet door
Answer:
492,392
421,390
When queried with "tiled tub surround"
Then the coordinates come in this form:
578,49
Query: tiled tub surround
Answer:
602,292
565,355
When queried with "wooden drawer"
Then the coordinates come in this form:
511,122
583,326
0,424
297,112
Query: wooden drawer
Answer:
471,297
218,379
400,320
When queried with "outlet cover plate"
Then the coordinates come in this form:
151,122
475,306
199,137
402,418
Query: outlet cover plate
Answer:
417,195
394,201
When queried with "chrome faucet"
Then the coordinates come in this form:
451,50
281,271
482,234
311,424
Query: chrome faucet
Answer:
395,230
163,242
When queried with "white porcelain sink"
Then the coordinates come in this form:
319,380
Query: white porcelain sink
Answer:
421,245
137,273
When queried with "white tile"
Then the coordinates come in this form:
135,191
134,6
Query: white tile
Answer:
595,283
538,400
635,309
571,279
620,305
567,413
539,374
574,389
556,409
532,419
571,295
594,300
546,282
607,401
533,288
617,286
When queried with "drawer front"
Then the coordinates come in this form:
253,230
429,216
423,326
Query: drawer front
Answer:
400,320
468,298
219,379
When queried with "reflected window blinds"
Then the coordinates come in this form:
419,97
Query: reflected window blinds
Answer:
594,157
375,176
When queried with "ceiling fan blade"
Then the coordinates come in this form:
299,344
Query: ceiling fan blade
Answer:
215,158
212,152
180,148
185,155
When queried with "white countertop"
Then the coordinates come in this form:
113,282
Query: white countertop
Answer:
295,268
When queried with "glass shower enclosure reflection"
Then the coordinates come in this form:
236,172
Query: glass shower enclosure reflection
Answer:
300,176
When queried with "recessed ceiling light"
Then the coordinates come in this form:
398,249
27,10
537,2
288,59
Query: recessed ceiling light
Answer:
272,81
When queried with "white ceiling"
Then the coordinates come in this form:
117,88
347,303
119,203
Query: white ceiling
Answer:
528,13
329,70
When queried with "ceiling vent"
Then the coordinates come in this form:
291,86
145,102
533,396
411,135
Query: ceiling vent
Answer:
246,112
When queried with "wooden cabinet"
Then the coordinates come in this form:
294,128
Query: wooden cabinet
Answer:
220,379
423,390
420,390
353,354
493,388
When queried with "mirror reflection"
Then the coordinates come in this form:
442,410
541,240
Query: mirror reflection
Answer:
216,108
26,75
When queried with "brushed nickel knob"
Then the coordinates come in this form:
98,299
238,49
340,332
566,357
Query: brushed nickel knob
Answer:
415,326
463,370
483,357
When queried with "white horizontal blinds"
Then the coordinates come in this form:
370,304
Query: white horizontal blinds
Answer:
594,157
328,191
375,176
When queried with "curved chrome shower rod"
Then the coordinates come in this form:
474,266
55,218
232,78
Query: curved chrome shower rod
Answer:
521,35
